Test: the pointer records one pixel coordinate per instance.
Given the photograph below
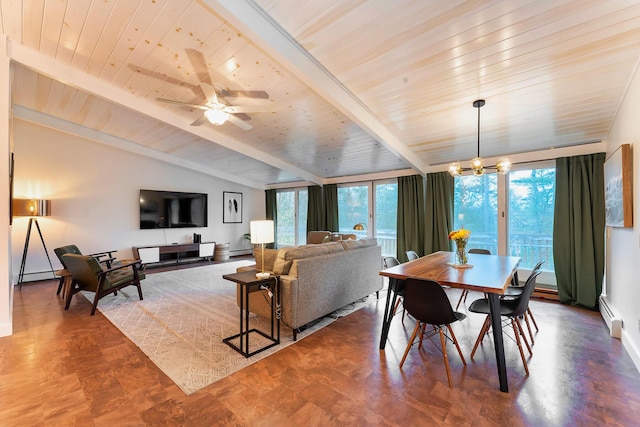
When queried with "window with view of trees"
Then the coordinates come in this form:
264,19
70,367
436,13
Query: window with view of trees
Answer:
531,204
291,224
528,228
354,206
476,208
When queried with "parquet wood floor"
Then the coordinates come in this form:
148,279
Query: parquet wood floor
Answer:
68,368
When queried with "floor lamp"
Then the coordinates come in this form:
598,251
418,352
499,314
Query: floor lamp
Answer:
33,208
261,233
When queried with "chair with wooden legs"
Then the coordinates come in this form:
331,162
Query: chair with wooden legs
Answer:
512,310
514,291
389,262
465,292
427,302
88,275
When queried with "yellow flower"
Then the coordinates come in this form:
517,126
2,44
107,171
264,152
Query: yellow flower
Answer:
459,234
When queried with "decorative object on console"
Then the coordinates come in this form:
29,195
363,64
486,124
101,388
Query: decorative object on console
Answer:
231,207
503,166
33,208
261,233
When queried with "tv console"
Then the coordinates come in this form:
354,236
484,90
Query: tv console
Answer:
176,253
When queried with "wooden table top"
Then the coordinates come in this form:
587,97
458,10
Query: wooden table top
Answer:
490,273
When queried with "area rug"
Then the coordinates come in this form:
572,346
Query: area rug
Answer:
183,318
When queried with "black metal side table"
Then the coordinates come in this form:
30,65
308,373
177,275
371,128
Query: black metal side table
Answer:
249,283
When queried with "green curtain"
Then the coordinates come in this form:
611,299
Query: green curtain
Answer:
315,209
578,229
331,207
271,212
439,212
411,219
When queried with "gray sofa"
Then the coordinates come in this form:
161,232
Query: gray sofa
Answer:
318,279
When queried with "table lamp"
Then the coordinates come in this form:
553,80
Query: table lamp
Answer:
261,233
33,208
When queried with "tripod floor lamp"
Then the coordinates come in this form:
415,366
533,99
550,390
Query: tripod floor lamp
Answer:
33,208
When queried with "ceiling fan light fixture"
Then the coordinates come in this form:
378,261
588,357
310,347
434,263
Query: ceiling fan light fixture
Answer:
503,166
216,117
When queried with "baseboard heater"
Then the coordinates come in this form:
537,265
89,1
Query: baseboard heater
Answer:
613,322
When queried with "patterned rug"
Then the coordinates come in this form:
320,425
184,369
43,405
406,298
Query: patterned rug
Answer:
183,318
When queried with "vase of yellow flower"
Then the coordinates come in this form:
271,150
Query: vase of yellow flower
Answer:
460,237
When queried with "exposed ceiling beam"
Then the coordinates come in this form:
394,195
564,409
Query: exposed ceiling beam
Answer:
75,78
258,26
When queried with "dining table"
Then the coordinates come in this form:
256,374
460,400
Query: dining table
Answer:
489,274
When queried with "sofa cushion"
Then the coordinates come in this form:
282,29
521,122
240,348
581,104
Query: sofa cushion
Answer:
285,257
279,265
362,243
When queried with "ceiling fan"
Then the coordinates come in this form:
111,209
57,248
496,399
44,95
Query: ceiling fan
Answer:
216,112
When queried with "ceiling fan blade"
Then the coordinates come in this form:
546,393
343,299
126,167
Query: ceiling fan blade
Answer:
210,92
258,94
202,120
233,109
199,65
184,104
241,124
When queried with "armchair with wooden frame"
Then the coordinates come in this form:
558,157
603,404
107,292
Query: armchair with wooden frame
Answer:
88,275
105,258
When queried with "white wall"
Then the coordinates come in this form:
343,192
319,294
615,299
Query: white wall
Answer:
623,244
94,189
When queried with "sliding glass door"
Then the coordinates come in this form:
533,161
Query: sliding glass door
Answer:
510,214
375,206
291,221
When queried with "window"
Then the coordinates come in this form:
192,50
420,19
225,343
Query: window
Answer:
286,219
476,209
386,217
524,229
355,206
291,228
531,203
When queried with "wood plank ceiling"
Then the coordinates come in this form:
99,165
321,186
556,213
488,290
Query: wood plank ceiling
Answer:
354,87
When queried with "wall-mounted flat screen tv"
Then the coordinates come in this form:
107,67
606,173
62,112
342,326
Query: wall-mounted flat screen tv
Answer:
172,209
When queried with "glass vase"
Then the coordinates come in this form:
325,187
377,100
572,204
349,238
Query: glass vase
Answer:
461,252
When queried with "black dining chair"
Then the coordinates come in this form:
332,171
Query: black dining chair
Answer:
465,292
512,310
427,302
514,292
389,262
411,255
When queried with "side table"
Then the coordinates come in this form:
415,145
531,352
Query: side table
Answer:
249,283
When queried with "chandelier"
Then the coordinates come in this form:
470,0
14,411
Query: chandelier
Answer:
503,166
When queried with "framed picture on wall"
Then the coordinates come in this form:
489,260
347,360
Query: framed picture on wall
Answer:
618,198
232,207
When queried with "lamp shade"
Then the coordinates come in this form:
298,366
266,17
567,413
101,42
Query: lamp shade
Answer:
261,231
359,226
31,207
